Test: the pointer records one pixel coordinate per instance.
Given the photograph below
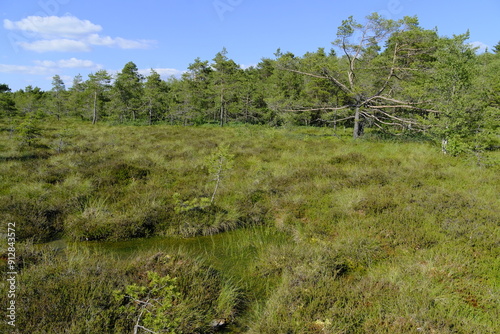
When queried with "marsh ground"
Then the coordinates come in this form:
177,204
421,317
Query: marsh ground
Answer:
308,233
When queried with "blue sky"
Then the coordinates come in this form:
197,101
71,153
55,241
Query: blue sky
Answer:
41,38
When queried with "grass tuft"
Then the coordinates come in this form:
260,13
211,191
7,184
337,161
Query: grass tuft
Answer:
308,232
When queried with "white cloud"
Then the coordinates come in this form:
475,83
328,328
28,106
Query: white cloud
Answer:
21,69
77,63
45,63
60,45
67,34
68,63
46,67
122,43
49,27
66,78
481,46
163,72
243,66
95,39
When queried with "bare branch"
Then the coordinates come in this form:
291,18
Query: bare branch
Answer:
358,51
343,87
407,121
401,104
141,302
339,120
144,328
407,106
345,50
386,99
391,72
137,326
420,127
318,109
379,120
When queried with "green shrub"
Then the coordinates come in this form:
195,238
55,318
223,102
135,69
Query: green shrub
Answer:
155,303
28,133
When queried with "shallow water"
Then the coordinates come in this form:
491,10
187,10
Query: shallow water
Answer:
229,251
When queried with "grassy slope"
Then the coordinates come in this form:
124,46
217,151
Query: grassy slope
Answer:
383,237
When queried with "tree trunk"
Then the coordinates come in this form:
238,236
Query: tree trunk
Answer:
150,113
94,116
444,145
358,130
222,110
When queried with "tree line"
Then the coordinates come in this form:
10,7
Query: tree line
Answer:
392,76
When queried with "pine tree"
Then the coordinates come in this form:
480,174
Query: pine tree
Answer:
451,90
7,104
29,101
194,98
58,95
367,78
96,88
496,48
224,85
155,93
76,97
128,90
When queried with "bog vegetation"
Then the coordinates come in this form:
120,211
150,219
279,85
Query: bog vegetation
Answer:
350,193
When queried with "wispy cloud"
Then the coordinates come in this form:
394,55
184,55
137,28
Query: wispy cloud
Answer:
481,47
67,34
163,72
245,66
48,67
119,42
60,45
48,27
68,63
22,69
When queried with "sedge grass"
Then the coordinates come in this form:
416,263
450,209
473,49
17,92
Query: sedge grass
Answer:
361,236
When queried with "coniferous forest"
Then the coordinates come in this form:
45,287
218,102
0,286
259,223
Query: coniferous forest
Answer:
350,190
390,76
